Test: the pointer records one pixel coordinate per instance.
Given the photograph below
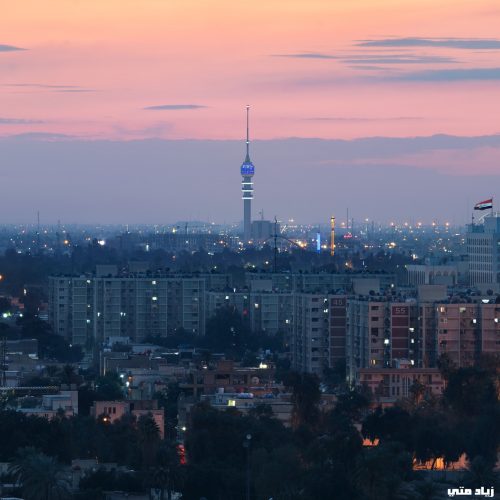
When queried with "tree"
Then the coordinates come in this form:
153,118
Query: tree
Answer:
109,388
480,473
41,477
149,439
166,475
5,305
446,365
305,399
227,332
381,470
417,391
471,391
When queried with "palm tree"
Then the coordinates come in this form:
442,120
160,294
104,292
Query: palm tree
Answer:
481,473
41,477
149,439
428,490
166,475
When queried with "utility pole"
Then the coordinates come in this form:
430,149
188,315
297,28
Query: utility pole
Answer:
246,444
275,244
3,361
38,232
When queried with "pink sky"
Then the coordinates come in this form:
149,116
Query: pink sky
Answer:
91,67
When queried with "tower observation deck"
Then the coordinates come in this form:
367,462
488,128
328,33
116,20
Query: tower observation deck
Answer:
247,171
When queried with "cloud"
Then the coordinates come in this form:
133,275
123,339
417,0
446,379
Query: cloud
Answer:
455,43
362,119
307,55
9,48
398,59
451,75
369,67
171,107
76,91
38,136
18,121
49,87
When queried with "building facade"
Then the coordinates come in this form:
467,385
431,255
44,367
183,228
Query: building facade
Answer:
88,310
483,248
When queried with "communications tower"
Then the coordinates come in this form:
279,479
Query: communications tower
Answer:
247,171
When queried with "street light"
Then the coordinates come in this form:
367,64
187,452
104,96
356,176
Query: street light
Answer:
246,444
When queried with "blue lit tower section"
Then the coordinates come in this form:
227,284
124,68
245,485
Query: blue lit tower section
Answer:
247,171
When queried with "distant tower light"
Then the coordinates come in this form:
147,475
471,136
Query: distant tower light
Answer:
332,236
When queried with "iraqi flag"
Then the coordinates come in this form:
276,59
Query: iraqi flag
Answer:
484,205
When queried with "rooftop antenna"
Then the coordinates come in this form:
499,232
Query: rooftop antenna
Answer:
58,236
3,361
38,231
275,244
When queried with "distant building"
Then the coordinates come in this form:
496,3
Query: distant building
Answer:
318,337
432,275
263,311
52,405
230,377
483,248
466,331
281,404
387,385
111,411
263,231
88,310
380,332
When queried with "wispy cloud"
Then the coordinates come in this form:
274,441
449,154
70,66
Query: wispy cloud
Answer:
398,59
9,48
19,121
75,91
450,75
171,107
455,43
362,118
39,136
373,59
48,87
306,55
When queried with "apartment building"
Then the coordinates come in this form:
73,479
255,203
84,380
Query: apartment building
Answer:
483,248
88,310
380,331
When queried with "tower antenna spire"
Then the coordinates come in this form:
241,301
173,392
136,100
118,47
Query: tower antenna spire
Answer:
248,132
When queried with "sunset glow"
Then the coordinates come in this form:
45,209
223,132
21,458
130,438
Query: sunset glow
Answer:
309,68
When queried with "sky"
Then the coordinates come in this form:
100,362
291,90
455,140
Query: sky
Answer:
86,83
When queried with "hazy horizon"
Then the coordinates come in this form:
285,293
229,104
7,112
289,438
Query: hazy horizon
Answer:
161,181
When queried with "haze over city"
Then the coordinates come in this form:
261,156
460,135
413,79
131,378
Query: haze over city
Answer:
249,250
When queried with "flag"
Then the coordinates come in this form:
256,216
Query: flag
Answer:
484,205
